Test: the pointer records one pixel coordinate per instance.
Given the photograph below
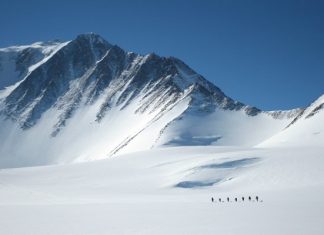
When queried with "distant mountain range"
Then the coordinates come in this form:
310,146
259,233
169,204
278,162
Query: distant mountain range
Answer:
87,99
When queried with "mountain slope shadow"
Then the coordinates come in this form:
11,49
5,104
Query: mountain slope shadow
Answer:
225,168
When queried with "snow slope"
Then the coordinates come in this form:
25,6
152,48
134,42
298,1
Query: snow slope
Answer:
307,129
144,193
222,127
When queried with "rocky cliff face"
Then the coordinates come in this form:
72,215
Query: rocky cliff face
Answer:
81,70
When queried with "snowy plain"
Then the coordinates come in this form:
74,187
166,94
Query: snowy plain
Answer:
139,193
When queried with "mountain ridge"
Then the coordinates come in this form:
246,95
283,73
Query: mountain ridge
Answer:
98,51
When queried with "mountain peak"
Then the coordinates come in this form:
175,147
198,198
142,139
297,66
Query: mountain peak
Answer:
92,38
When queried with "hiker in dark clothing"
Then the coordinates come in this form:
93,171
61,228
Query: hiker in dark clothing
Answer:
257,198
249,198
212,199
243,199
219,199
228,199
236,199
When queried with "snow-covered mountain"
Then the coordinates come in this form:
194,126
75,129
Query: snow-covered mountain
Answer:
307,129
177,138
87,99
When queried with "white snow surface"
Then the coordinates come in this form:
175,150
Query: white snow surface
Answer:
137,193
223,127
125,131
307,130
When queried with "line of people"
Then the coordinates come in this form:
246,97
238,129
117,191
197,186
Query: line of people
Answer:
236,199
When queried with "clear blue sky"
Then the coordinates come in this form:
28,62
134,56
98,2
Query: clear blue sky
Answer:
264,53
